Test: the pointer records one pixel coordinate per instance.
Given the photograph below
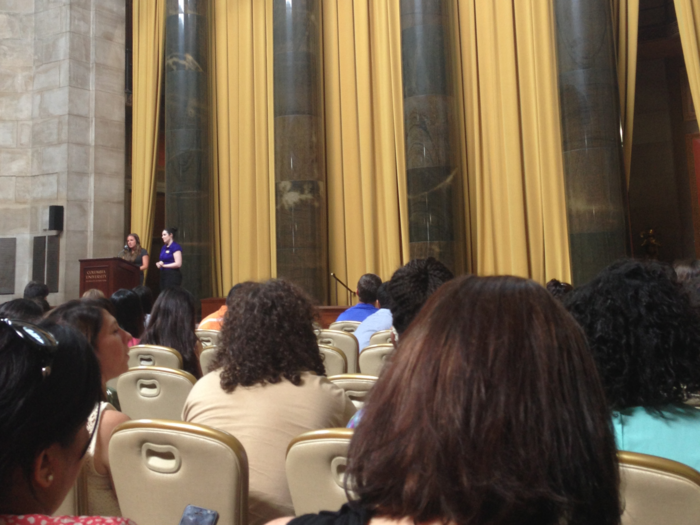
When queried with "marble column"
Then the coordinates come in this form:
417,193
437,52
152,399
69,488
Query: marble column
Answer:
596,197
432,171
187,162
300,166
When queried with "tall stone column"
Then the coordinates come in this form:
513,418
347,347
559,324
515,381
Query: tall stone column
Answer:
187,163
596,199
432,173
300,164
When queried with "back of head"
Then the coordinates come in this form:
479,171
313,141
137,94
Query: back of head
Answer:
129,313
234,290
36,290
367,288
36,411
383,296
410,287
146,297
490,412
269,328
558,288
93,293
84,316
172,324
22,309
643,333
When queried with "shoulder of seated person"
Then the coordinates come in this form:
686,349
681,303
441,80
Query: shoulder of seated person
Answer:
111,418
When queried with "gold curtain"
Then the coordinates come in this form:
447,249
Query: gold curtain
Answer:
511,131
625,15
243,143
149,29
688,14
368,222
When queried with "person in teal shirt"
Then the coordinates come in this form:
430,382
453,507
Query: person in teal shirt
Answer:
645,339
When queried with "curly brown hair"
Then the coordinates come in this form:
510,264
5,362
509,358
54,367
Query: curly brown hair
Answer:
268,336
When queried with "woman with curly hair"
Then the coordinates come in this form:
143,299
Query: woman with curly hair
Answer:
458,431
172,324
268,387
645,339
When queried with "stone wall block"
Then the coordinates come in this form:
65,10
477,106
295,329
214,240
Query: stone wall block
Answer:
77,215
52,21
14,220
16,6
79,157
48,76
8,134
80,102
52,49
79,74
16,26
14,161
78,186
50,159
109,54
50,131
78,130
116,7
109,189
7,189
80,47
109,79
79,20
109,106
110,134
15,106
51,103
110,27
108,162
16,79
24,134
45,187
14,52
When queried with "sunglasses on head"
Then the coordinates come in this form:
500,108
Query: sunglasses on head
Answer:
37,338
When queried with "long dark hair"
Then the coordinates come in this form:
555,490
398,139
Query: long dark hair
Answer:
37,412
172,324
490,412
643,333
268,336
127,304
86,316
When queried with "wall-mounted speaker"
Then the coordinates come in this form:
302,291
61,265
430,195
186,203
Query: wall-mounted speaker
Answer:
56,218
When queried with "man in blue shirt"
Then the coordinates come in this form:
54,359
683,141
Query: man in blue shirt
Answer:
367,292
380,320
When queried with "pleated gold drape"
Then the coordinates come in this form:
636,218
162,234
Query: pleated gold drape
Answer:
243,142
688,14
511,129
625,15
368,223
148,27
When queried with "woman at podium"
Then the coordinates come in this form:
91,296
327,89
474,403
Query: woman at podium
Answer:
170,260
135,254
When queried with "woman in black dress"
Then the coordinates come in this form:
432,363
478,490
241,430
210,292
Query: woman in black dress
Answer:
135,254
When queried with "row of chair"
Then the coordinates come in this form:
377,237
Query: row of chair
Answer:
159,467
151,392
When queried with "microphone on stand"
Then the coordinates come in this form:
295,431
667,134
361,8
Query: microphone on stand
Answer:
124,250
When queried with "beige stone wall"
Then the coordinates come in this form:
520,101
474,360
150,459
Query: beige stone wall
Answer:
65,133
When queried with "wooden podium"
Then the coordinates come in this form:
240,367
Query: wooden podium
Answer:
108,275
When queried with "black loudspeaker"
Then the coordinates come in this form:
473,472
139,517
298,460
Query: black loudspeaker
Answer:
56,218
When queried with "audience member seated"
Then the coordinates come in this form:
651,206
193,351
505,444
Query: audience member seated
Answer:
93,293
22,310
645,339
215,320
558,288
458,431
48,391
269,387
146,297
379,320
129,313
172,324
38,292
109,344
367,294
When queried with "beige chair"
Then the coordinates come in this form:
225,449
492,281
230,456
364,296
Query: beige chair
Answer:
656,490
160,467
206,359
356,386
372,358
151,392
345,326
382,337
154,355
344,342
315,467
208,337
333,359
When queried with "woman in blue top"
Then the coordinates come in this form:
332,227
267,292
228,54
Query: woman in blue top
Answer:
170,260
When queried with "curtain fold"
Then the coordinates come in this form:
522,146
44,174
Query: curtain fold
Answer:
243,143
511,133
149,36
625,16
688,15
368,223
